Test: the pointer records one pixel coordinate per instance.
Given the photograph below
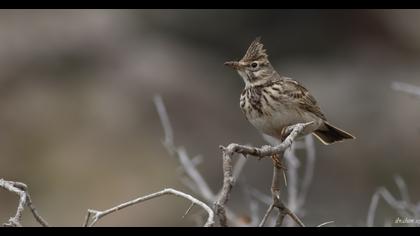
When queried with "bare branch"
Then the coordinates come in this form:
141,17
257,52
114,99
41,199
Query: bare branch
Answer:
97,215
267,213
264,151
297,196
188,210
283,209
402,187
24,200
164,119
193,173
325,223
11,186
280,218
197,183
406,88
34,212
404,207
292,215
193,178
238,167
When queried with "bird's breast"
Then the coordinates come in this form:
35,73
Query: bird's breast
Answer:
269,112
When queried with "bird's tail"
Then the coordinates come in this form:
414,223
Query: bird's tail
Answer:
328,134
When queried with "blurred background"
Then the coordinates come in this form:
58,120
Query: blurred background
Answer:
79,126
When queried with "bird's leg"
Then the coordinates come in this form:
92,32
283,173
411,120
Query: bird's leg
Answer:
278,159
278,162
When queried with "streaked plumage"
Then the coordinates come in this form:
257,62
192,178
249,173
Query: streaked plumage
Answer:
272,102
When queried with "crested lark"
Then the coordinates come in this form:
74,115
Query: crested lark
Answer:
272,102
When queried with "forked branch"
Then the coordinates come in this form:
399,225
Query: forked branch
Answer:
264,151
93,216
21,190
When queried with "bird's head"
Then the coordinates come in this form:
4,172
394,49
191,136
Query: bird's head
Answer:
254,67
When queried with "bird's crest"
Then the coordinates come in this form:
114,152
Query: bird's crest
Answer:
255,51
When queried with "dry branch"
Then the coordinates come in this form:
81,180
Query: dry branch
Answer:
406,88
21,190
93,216
403,207
296,193
264,151
193,178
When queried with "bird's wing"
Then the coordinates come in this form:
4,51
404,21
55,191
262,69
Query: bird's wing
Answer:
302,97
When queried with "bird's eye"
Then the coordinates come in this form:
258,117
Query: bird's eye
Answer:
254,65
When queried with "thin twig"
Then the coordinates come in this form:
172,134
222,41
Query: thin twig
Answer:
404,207
21,190
267,213
402,187
280,218
188,210
406,88
325,223
197,183
97,215
238,167
288,212
34,212
164,119
193,173
193,179
276,195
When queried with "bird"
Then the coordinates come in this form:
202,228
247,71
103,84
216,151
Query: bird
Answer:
272,102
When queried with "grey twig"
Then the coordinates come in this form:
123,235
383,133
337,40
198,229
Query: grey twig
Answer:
404,207
283,209
164,120
93,216
193,179
267,213
253,204
325,223
406,88
264,151
188,210
297,195
24,200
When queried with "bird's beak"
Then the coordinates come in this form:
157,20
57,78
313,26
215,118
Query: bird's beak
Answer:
233,64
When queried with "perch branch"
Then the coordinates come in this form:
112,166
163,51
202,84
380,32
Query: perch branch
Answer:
264,151
93,216
21,190
283,209
296,196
